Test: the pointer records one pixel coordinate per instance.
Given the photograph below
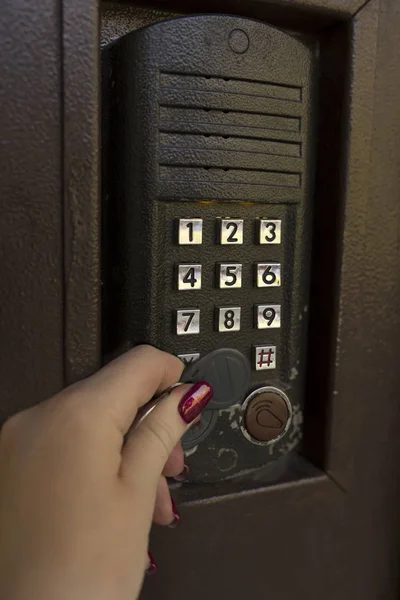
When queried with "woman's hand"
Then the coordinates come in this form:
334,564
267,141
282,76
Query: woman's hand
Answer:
76,502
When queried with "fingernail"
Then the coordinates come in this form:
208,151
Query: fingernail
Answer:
195,400
152,568
177,516
184,475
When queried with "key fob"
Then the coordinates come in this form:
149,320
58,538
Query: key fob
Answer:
228,372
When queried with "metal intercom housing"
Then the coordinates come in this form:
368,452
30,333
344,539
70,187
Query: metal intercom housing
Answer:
211,167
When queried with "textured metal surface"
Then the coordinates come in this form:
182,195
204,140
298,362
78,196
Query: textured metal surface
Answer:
306,540
81,130
31,269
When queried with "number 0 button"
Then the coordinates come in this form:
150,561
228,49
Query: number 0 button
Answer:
190,232
231,231
188,321
230,275
270,231
189,277
268,274
229,318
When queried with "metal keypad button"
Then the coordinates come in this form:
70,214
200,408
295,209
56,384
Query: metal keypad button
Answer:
189,277
231,231
229,275
268,316
190,232
229,318
188,321
268,274
269,231
188,359
264,358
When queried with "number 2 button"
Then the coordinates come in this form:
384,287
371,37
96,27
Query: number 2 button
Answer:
268,274
231,231
189,277
270,231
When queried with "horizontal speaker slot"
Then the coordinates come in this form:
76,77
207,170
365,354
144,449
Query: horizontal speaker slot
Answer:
206,174
228,131
230,85
228,117
221,159
229,143
241,103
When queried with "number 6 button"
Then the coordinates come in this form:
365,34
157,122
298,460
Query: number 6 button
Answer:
268,274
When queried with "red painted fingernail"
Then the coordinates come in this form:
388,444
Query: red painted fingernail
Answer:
195,400
184,475
177,516
152,568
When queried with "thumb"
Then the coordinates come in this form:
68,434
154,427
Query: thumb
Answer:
149,446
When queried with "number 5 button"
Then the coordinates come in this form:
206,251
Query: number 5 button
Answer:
230,275
270,231
189,277
268,274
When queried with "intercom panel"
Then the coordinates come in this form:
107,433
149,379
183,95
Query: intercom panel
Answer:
211,168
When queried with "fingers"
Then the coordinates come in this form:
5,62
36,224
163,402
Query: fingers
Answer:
175,464
148,448
127,383
165,511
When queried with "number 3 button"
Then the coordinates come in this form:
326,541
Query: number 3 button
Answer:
270,231
268,274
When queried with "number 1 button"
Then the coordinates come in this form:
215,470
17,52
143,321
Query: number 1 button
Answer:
231,231
190,232
188,321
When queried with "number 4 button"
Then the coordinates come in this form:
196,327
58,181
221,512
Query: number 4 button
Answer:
189,277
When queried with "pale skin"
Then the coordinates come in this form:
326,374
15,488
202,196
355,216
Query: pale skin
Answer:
76,504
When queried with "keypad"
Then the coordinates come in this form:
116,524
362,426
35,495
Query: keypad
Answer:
228,277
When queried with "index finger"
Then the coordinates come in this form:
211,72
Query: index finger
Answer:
130,381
